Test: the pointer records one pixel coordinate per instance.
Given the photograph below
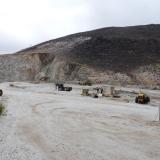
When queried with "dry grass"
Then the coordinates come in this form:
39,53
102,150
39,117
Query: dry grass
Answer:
2,108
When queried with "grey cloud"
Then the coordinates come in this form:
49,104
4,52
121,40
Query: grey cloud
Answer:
9,44
97,14
125,12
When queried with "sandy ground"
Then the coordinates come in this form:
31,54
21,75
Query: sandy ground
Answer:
44,124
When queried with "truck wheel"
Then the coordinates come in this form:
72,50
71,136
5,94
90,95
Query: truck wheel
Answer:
1,92
136,100
147,99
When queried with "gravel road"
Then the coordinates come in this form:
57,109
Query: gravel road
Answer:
44,124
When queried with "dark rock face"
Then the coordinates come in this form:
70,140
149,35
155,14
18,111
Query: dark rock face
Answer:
111,55
117,54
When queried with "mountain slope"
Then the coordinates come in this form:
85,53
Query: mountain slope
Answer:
113,55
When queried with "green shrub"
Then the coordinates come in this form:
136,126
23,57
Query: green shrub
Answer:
2,108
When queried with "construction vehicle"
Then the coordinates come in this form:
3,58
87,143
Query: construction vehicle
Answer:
61,87
85,92
142,98
99,90
111,92
1,92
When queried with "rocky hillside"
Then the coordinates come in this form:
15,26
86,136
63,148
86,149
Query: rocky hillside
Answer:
116,55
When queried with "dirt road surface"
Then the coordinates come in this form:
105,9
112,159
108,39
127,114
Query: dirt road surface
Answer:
44,124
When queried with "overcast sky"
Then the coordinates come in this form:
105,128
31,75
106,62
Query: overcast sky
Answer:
27,22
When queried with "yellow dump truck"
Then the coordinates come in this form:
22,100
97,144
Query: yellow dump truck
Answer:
142,98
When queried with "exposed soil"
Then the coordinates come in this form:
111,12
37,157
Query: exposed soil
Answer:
44,124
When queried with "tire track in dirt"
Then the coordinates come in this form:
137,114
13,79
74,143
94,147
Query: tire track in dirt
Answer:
36,111
34,137
35,106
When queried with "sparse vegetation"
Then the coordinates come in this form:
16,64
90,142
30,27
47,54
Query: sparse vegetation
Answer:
86,83
2,108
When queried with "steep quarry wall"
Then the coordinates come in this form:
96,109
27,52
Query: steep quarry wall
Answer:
19,67
129,55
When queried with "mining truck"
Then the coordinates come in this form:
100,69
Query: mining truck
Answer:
142,98
61,87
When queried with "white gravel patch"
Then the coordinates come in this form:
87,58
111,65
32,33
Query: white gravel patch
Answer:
44,124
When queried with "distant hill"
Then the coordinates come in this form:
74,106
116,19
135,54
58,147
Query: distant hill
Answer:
115,55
